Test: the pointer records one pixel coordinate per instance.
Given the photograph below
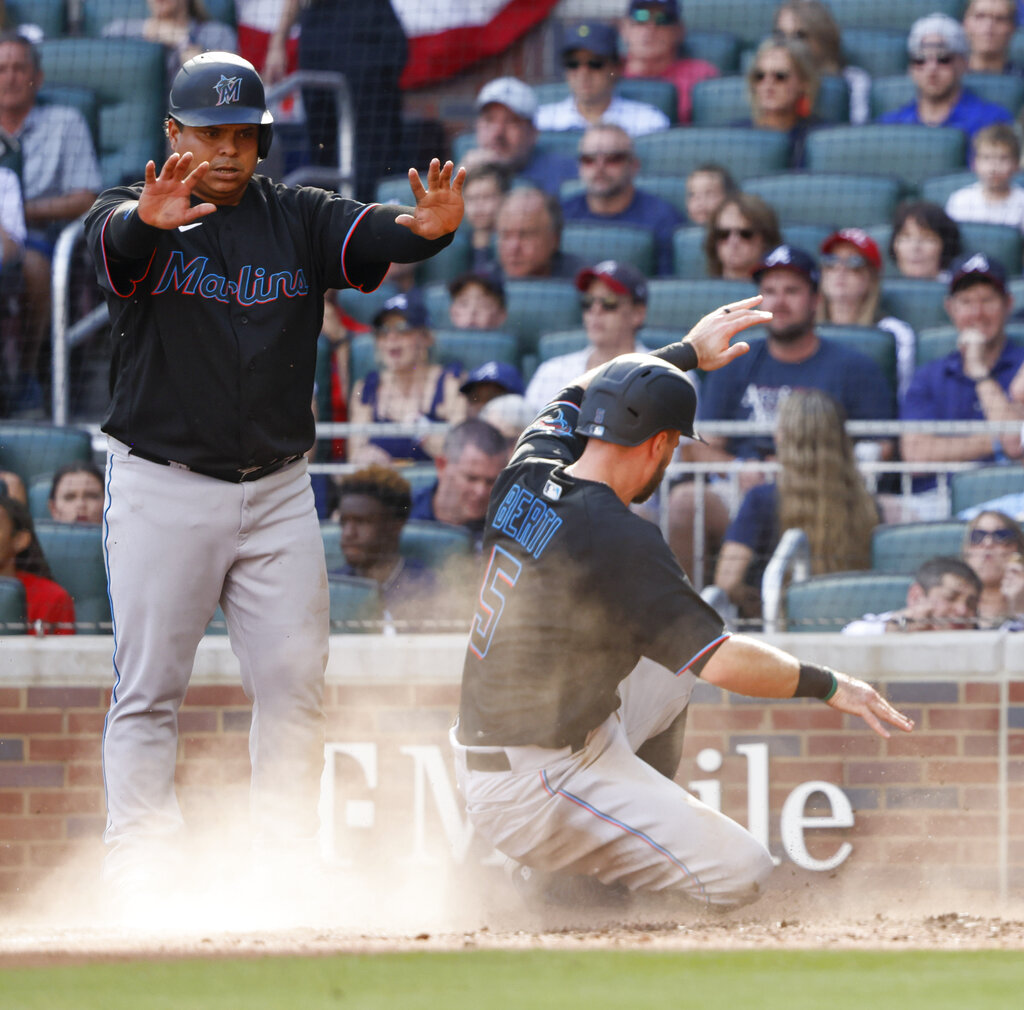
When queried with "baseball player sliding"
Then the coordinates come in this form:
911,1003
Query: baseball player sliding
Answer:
588,640
214,278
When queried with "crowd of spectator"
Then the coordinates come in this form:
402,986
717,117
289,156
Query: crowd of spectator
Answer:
538,167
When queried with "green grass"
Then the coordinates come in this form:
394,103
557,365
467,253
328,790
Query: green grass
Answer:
535,980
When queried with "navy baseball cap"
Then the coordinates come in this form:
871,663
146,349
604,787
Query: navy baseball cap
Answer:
621,277
409,305
974,267
789,257
670,7
489,281
501,373
594,37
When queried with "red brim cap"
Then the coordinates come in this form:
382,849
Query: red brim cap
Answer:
856,237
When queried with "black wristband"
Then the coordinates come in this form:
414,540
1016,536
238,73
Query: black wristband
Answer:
815,682
680,354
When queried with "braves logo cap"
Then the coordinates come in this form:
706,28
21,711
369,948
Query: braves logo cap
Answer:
621,277
409,305
510,92
975,267
789,257
859,238
501,373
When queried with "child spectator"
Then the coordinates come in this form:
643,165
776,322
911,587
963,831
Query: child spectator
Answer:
49,607
478,302
994,198
706,187
925,240
483,191
76,494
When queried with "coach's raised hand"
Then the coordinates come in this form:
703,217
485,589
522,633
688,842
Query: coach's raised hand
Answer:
439,206
166,199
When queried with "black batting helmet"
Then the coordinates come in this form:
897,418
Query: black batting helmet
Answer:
634,397
216,89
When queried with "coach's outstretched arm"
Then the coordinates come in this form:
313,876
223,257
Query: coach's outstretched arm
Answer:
746,666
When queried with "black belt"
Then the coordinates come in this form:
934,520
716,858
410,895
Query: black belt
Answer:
231,476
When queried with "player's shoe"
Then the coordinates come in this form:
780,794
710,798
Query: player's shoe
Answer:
541,890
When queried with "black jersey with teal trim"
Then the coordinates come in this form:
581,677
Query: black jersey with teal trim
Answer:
576,590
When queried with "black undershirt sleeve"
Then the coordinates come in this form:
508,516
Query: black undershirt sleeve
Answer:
128,237
379,240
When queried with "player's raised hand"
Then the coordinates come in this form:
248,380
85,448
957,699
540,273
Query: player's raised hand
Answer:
858,698
710,337
439,205
166,199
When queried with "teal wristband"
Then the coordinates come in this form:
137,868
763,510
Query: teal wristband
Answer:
835,684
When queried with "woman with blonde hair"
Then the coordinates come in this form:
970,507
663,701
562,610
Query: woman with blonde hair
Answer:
818,489
782,87
741,231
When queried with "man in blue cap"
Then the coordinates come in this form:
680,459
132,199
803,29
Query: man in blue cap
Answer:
590,55
488,381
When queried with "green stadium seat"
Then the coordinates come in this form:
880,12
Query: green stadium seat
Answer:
829,602
471,348
806,236
911,153
218,623
362,356
553,345
13,608
446,265
878,345
749,22
1017,46
364,306
917,302
672,189
720,101
902,547
434,543
677,304
593,242
895,15
394,189
39,497
74,552
127,76
939,188
83,99
1003,89
564,142
832,200
536,306
50,15
881,52
330,534
719,48
688,256
974,487
97,13
1000,241
356,607
938,341
744,152
32,449
890,93
438,301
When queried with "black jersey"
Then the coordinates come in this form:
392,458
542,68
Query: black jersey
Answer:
214,332
577,589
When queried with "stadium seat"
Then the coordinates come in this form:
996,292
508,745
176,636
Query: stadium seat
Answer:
536,306
96,13
362,356
676,304
828,602
750,22
973,487
330,534
902,547
127,76
917,302
446,265
362,307
688,256
939,188
938,341
1006,90
474,347
564,142
434,543
13,614
806,236
394,189
745,153
50,15
83,99
890,93
74,552
896,15
592,242
881,52
461,143
33,449
438,301
832,200
721,101
720,48
670,188
1000,241
39,497
356,607
553,345
911,153
878,345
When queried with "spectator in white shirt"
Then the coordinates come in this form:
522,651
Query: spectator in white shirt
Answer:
994,198
592,64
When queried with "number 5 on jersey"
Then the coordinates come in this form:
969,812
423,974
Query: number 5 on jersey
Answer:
502,568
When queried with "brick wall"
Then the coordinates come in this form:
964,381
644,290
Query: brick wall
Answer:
927,804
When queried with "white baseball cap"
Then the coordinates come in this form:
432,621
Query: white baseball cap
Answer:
510,92
941,31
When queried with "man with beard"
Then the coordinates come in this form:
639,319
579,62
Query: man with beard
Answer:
608,168
937,48
791,356
588,640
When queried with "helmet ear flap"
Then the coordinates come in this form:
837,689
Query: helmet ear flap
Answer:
265,138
